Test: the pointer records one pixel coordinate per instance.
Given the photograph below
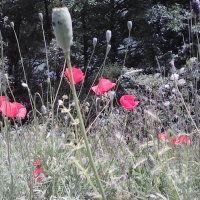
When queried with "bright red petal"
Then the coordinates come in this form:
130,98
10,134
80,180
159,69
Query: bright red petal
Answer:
13,109
38,162
162,136
128,102
21,110
186,139
105,85
2,99
8,109
37,170
180,139
77,75
38,179
96,90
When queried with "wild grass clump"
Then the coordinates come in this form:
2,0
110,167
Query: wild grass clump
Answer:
97,146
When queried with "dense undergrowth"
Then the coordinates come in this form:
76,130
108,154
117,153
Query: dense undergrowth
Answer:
150,151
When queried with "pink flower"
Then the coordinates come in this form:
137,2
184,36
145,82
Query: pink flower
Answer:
37,170
77,75
13,109
96,90
38,162
2,99
128,102
104,86
38,179
162,136
181,139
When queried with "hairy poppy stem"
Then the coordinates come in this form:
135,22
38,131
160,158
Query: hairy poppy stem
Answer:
82,127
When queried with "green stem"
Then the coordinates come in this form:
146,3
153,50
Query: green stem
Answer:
82,127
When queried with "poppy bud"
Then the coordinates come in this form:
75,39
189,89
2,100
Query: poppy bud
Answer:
41,16
62,26
129,24
48,80
24,85
108,36
12,24
94,42
44,109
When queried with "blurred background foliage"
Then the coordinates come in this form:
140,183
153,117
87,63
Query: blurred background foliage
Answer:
159,27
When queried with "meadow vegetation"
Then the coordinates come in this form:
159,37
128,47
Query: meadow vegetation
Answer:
143,141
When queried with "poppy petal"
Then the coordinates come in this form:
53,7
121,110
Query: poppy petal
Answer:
96,90
38,179
181,139
8,109
162,136
13,109
2,99
21,110
37,170
38,162
128,102
105,85
77,75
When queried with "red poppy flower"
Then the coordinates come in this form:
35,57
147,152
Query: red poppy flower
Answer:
128,102
96,90
181,139
77,75
13,109
2,99
38,179
103,86
37,170
38,162
162,136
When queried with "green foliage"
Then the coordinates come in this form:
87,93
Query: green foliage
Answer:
173,18
130,159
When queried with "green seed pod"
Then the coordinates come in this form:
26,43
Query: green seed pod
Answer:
62,26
